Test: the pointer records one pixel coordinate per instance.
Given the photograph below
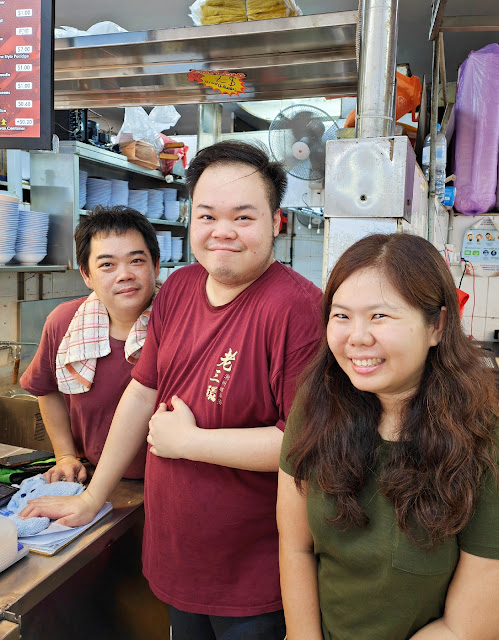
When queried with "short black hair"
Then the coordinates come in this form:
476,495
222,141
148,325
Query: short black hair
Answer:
118,220
235,152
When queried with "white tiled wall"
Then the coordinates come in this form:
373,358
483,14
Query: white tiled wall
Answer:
306,247
481,313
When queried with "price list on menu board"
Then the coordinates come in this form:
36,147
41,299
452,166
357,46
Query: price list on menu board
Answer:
26,73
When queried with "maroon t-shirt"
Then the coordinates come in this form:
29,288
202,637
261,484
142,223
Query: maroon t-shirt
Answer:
90,413
210,538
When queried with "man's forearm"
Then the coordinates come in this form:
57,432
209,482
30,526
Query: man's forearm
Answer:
56,421
127,434
253,449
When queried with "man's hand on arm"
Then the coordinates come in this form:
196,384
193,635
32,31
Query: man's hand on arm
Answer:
127,434
56,420
175,434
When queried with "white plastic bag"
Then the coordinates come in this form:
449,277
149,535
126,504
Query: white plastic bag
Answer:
162,118
98,28
137,126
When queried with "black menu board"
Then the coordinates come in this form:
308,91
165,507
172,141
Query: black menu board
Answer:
26,73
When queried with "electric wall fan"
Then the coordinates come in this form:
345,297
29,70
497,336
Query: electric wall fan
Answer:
297,139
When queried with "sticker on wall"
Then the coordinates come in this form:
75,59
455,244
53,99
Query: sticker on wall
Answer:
481,247
229,83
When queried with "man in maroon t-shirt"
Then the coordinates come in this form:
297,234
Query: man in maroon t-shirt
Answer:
227,338
118,255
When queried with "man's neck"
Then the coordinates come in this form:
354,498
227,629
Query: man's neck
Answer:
219,293
119,329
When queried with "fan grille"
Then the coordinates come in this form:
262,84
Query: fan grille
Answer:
306,124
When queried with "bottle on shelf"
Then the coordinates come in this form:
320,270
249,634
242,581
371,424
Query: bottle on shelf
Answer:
440,162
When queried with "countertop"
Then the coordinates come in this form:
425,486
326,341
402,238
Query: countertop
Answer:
34,578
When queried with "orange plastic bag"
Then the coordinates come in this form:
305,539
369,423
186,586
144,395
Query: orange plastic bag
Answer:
408,98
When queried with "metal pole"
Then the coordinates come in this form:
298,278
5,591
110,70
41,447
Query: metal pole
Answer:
378,51
209,124
434,116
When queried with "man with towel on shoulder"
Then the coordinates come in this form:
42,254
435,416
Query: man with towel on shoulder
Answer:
89,346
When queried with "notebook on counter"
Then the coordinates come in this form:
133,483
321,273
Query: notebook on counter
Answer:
57,536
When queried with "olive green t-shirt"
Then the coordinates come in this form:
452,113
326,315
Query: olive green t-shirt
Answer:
374,584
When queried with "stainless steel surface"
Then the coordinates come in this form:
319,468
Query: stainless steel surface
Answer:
369,178
377,65
54,190
302,56
14,174
209,124
10,342
45,268
32,316
433,132
21,423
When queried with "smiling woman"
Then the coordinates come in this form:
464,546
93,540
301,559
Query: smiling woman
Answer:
380,341
388,480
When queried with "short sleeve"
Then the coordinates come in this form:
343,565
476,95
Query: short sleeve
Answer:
39,378
480,537
292,431
284,385
146,369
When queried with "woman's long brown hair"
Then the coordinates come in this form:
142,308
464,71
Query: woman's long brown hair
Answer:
447,438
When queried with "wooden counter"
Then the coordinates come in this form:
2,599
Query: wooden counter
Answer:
93,588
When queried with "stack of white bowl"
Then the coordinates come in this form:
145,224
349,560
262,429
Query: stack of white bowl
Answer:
82,182
155,205
98,192
137,199
165,245
119,193
31,242
177,251
169,194
171,206
9,215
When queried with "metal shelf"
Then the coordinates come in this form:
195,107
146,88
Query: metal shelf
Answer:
440,23
44,268
110,159
153,221
173,264
304,56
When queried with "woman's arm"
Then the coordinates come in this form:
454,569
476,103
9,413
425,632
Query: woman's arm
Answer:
472,603
298,565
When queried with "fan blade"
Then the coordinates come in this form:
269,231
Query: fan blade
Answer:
315,128
299,124
301,170
317,164
291,163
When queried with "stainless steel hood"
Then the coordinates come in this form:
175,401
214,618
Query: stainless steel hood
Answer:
304,56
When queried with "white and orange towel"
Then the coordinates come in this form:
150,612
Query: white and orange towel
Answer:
87,339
